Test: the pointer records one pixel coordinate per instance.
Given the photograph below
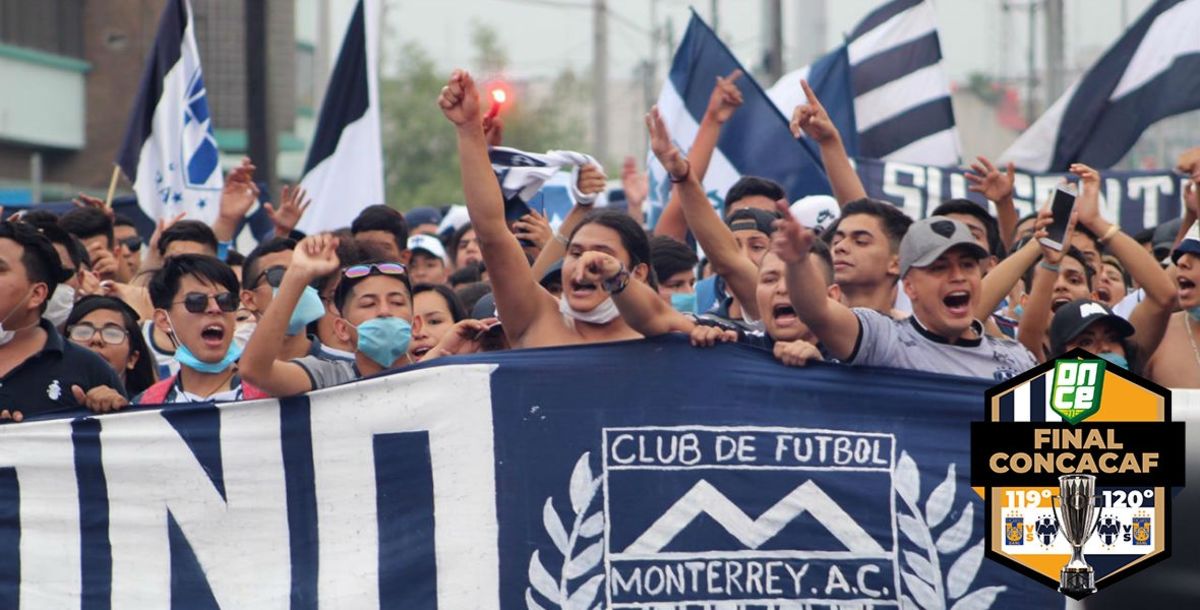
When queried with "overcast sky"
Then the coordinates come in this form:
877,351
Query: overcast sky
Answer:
544,36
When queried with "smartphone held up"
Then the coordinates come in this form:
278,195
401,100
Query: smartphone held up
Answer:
1060,209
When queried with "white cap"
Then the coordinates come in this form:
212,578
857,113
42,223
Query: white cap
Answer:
816,212
429,244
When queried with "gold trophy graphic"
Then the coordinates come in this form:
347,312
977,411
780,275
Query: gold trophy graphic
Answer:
1077,518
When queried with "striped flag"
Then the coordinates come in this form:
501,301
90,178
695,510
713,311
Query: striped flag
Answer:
169,152
344,169
1151,73
756,139
901,95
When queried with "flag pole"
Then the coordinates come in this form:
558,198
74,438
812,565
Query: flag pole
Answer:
112,185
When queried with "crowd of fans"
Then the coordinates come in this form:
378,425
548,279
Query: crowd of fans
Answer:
91,315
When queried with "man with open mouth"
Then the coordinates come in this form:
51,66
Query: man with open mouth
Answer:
195,298
939,262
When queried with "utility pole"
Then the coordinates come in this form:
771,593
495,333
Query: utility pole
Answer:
1054,50
773,22
260,133
600,79
715,16
1031,64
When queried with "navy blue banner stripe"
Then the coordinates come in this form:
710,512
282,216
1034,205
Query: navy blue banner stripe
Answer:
96,550
348,97
168,48
1089,104
905,128
880,15
296,431
756,139
896,63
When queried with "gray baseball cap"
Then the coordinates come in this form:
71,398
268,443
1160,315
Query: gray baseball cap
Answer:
928,239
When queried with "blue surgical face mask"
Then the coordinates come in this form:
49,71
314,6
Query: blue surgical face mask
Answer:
308,310
384,340
684,302
1019,311
185,357
1194,312
1116,359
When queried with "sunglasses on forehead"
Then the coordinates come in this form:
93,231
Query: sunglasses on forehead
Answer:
197,302
356,271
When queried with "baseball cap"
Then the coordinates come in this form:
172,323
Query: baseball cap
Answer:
1072,318
928,239
816,212
485,307
1164,238
430,244
422,216
752,219
1189,245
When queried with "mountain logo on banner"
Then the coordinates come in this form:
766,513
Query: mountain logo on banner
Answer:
704,499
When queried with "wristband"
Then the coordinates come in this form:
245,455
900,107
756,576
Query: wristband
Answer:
686,174
1112,230
562,240
617,283
1048,266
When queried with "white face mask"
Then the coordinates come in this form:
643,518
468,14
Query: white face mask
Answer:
6,336
60,305
603,313
241,335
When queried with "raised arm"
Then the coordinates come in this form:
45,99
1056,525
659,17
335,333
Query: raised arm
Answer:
640,306
724,100
591,180
1150,317
812,120
997,187
520,300
833,323
740,273
1000,280
1036,321
315,256
237,197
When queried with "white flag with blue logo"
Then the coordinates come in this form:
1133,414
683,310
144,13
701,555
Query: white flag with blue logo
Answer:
169,152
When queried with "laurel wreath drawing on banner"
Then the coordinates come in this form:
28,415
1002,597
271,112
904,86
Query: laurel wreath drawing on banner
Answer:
582,548
922,574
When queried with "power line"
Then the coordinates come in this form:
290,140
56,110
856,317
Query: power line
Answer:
567,4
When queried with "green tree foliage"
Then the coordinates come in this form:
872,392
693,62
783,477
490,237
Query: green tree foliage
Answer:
420,151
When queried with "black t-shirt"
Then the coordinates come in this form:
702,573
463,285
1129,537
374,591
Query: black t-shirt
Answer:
42,384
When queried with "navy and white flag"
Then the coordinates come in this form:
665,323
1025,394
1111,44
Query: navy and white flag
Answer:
756,139
554,479
1151,73
344,170
169,152
901,96
523,175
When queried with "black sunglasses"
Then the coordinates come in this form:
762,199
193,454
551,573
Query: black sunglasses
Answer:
133,243
274,276
197,302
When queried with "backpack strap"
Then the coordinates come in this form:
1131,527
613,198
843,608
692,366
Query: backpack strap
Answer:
157,393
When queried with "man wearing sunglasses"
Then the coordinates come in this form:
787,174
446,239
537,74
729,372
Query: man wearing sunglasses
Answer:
39,370
128,245
262,275
195,299
375,314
